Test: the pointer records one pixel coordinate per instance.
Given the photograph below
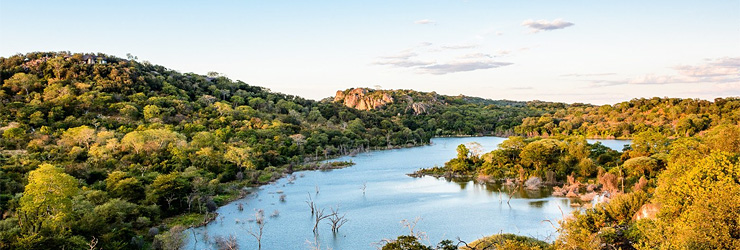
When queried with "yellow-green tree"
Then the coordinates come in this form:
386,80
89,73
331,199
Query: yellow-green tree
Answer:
47,200
724,138
640,166
22,82
120,185
240,156
151,140
700,205
79,136
166,189
648,143
541,154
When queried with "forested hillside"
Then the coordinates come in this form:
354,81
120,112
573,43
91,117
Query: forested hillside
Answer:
660,193
447,115
133,148
669,116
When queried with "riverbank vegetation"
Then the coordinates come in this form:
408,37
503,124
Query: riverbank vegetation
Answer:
110,153
150,148
144,143
662,193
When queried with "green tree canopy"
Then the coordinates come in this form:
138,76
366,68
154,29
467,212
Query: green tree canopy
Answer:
22,82
47,200
541,153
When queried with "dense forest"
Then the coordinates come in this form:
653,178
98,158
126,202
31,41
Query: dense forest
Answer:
672,117
659,193
133,149
125,154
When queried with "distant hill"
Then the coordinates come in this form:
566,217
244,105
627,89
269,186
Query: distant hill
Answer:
373,99
673,117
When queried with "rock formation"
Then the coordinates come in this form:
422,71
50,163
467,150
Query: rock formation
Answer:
363,99
647,211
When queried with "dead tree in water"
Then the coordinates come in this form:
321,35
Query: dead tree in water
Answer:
228,243
511,194
259,218
411,225
311,204
336,221
318,218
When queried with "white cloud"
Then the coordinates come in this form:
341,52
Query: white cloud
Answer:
717,71
404,54
467,62
587,75
544,25
460,46
454,67
424,21
723,68
520,88
403,63
402,59
475,56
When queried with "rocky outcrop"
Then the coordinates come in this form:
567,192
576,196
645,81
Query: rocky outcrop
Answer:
363,99
533,183
647,211
419,108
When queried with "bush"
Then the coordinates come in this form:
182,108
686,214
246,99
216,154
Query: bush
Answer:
508,242
700,206
603,225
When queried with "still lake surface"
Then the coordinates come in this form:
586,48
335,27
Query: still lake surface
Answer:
447,209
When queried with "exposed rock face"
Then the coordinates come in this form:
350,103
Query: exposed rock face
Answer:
419,108
647,211
360,99
533,183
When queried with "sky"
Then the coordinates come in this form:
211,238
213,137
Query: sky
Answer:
599,52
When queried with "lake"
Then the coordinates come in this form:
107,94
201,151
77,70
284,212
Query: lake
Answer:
445,209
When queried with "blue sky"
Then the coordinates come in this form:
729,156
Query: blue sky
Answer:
571,51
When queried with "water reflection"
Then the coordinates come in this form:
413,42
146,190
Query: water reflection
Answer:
449,208
538,204
494,188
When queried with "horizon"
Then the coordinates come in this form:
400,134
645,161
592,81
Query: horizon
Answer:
376,89
596,53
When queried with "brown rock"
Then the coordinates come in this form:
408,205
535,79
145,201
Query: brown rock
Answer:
647,211
557,191
419,108
359,99
588,196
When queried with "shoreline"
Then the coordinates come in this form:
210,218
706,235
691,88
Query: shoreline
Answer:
318,166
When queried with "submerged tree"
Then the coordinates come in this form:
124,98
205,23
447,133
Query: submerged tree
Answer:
259,219
336,221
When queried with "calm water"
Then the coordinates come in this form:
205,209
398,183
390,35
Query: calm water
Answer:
447,209
613,144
